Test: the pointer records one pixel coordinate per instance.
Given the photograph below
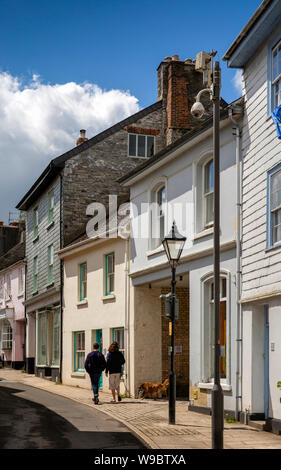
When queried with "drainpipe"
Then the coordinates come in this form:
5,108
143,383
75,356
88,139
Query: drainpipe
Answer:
127,316
61,280
237,134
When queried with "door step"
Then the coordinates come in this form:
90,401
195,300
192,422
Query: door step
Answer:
261,425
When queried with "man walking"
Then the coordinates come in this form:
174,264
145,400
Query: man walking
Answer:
94,365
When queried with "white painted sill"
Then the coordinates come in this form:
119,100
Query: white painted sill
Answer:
82,302
204,233
108,297
20,295
160,249
50,225
35,239
78,375
210,386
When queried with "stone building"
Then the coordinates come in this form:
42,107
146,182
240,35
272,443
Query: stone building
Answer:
56,204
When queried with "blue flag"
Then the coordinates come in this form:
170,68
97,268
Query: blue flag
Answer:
276,116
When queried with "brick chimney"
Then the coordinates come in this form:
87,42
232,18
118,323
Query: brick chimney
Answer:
178,84
82,137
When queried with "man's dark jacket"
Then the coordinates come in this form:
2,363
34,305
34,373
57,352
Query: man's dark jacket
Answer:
95,363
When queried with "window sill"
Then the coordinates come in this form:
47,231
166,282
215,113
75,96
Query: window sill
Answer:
51,224
273,247
143,158
20,295
204,233
35,239
78,375
160,249
210,386
50,285
108,297
82,302
35,293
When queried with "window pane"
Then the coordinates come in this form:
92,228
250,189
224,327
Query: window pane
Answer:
209,177
223,288
150,146
56,338
274,64
141,145
209,208
132,144
42,339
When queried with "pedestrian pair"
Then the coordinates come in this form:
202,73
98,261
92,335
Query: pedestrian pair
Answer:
95,364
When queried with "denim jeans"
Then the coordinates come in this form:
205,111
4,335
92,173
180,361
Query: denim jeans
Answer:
95,378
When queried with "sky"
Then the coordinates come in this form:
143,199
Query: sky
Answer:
67,65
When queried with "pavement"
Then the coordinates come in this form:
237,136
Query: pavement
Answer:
148,419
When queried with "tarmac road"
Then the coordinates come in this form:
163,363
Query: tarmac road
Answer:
31,418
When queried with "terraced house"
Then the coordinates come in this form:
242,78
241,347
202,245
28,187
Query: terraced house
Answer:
257,51
57,202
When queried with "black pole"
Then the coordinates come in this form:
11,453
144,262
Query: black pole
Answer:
217,394
172,377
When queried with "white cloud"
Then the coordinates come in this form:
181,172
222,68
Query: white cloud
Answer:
39,122
238,81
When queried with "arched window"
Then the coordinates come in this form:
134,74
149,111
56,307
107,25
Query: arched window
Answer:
208,319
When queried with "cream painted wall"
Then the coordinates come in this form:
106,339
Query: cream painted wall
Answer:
98,312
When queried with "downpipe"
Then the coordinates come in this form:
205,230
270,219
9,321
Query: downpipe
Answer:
237,134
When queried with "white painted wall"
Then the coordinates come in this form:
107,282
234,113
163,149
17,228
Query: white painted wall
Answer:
98,313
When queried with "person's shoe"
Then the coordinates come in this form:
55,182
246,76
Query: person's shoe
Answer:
96,400
119,398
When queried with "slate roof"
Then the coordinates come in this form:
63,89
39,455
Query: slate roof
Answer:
15,254
57,163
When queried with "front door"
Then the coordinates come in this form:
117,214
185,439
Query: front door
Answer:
99,340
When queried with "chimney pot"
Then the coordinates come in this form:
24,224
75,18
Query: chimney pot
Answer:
168,59
175,57
82,137
1,223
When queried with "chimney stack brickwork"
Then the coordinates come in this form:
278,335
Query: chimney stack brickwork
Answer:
178,84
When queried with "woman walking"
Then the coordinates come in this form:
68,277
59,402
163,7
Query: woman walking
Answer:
114,363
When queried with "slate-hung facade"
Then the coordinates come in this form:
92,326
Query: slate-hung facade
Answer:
56,204
257,50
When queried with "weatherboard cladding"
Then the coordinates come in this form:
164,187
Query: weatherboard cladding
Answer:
46,237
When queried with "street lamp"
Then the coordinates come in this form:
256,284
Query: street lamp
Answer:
197,112
173,244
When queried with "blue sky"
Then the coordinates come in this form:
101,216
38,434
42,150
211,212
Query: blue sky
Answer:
111,45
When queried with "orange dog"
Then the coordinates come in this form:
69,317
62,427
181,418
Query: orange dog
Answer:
153,389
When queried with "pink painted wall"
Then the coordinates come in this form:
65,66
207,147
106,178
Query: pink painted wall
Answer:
15,302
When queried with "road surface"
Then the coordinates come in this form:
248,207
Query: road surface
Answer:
34,419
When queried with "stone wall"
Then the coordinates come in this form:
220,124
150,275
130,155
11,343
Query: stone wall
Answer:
92,175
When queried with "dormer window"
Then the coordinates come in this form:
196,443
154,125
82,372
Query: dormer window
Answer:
140,145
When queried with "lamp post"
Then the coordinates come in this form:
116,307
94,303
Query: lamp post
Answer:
217,394
173,244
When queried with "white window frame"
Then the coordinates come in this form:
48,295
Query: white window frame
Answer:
50,264
6,335
205,373
206,195
276,81
21,281
157,216
146,141
35,274
51,205
35,222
